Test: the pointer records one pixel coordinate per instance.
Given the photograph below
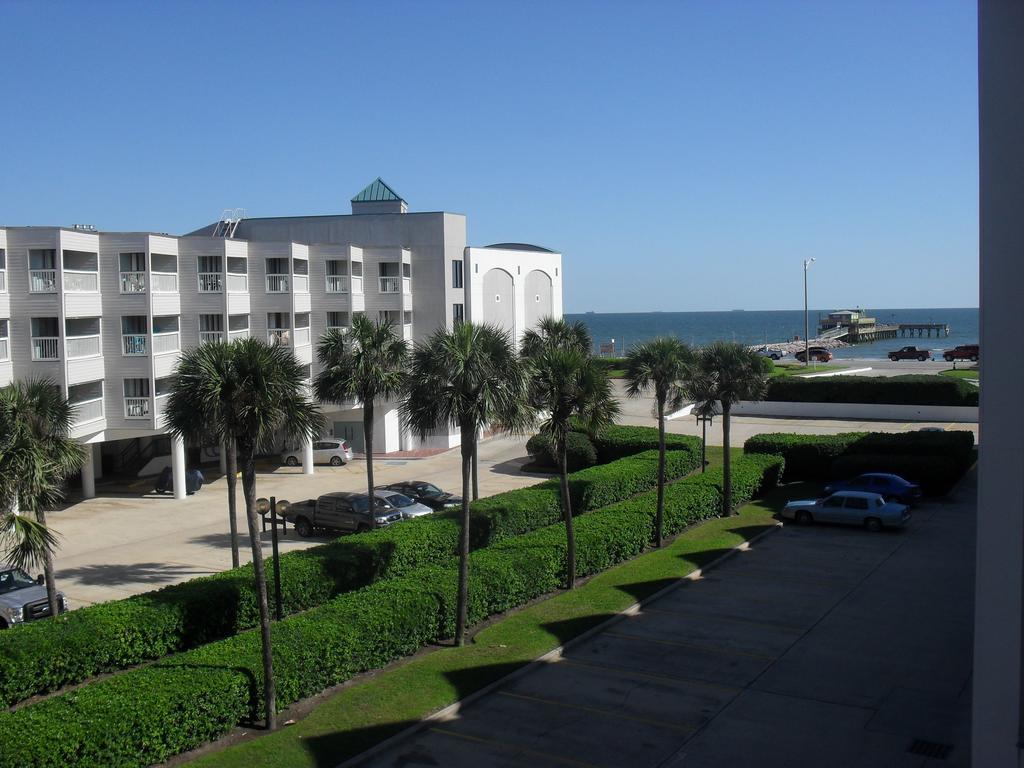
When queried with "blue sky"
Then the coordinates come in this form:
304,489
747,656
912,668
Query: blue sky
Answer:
683,155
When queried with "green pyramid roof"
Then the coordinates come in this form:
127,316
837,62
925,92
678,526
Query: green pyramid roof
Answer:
377,192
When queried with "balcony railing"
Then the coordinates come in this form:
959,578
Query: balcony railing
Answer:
136,407
133,282
211,337
165,342
82,346
3,281
337,283
301,337
211,282
406,285
277,283
389,284
241,333
165,282
5,351
279,336
134,344
76,281
88,410
238,283
45,348
42,281
301,283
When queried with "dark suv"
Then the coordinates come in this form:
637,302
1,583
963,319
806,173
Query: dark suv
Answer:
819,354
426,493
341,511
962,352
910,353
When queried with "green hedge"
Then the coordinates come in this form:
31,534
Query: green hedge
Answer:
617,442
896,390
42,657
579,451
145,716
935,460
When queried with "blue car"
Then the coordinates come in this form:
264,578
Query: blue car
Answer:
892,487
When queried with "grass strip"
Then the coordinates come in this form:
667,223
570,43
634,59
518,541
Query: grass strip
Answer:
361,715
961,373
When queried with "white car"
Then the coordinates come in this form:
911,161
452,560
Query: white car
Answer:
774,354
399,502
870,510
329,451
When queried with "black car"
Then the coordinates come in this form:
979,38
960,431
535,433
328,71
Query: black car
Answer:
193,481
426,493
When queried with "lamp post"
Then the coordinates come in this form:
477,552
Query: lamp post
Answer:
807,349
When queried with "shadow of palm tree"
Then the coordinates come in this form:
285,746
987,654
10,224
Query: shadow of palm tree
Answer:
122,573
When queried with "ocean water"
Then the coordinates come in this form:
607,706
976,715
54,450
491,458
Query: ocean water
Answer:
756,327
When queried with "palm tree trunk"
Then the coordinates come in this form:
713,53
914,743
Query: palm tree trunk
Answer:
51,583
232,467
726,463
476,484
468,446
368,440
259,572
570,532
660,515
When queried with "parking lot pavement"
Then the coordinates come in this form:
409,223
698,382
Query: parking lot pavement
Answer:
115,546
819,646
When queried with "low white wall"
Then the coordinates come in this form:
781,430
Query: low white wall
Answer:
866,411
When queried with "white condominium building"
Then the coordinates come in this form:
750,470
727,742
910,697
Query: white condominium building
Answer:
105,315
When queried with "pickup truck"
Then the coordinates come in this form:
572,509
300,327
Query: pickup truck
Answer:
341,511
23,598
910,353
962,352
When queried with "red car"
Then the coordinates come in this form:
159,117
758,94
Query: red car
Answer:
910,353
819,354
962,352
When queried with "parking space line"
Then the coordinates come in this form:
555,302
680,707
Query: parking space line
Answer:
615,669
599,711
691,646
508,746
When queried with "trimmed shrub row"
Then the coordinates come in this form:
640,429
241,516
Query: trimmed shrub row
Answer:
896,390
42,657
618,442
579,452
147,715
934,460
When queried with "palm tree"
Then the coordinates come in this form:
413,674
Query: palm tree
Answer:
36,458
556,332
726,372
366,363
252,393
576,394
466,377
659,364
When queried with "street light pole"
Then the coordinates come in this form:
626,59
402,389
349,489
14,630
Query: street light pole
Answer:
807,353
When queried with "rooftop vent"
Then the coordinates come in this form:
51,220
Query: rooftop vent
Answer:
84,227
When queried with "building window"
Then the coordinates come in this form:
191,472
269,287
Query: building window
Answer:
458,313
497,298
337,320
457,273
407,317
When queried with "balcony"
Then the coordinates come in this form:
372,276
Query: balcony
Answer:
389,284
165,282
301,337
337,283
165,342
241,333
211,282
42,281
82,346
76,281
279,337
133,282
134,344
136,407
211,337
88,410
5,351
238,283
277,283
45,348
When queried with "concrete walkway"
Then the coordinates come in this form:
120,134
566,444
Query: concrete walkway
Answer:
822,646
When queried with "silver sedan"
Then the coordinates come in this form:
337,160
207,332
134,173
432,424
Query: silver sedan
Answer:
869,510
399,502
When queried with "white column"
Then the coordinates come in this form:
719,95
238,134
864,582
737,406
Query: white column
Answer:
88,474
307,456
223,458
178,466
